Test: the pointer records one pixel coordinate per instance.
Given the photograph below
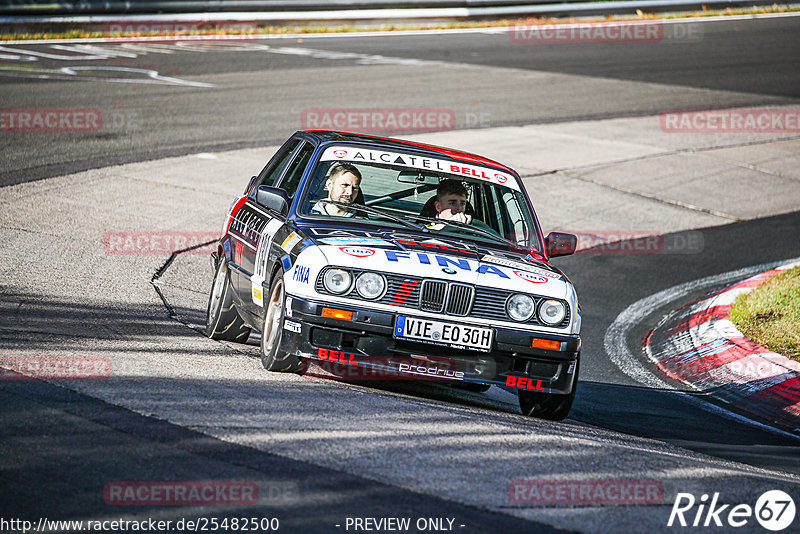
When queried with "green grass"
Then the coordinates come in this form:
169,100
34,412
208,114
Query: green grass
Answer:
310,29
770,314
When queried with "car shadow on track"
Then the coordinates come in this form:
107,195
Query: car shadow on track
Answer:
66,450
35,325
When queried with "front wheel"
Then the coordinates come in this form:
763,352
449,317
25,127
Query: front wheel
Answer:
272,357
547,405
222,319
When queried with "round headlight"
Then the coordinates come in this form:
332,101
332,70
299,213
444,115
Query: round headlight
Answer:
551,312
370,285
337,281
520,307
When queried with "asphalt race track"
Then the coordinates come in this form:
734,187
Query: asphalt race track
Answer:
487,79
184,125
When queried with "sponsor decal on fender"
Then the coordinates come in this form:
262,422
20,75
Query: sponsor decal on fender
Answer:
257,296
290,241
300,274
498,260
530,277
358,252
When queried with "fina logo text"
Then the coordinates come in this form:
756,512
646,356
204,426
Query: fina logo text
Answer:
358,252
300,274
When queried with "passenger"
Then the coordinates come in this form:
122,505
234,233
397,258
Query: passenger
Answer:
343,185
451,201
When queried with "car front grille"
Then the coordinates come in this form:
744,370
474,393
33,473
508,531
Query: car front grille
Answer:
459,301
441,296
434,293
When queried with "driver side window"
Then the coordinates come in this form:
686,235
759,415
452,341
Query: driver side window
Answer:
270,174
297,167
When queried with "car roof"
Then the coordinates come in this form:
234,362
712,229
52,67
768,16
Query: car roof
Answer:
333,136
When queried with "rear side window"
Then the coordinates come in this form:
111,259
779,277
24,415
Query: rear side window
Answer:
294,172
271,173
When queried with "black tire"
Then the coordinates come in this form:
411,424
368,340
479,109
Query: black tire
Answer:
548,406
272,357
222,319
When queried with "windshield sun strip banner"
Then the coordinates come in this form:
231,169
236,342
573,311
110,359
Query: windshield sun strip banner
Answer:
366,155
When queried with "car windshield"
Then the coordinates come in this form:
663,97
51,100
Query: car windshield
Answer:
436,196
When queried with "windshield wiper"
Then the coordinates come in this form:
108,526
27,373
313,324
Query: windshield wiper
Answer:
476,229
367,209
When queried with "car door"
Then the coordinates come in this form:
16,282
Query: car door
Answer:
246,220
256,265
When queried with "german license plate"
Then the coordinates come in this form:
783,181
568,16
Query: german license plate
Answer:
439,333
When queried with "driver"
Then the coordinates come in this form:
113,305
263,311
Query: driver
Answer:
342,185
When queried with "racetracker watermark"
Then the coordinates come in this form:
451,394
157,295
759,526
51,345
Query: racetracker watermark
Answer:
378,120
167,28
743,369
155,243
143,524
66,120
634,31
571,492
637,242
54,367
754,120
51,120
187,493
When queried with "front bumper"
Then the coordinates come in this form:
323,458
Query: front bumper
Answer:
364,349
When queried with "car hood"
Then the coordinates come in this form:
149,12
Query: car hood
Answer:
440,257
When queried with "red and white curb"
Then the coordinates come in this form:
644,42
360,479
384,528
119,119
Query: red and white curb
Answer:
700,346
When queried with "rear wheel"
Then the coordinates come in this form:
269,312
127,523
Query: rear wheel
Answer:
222,319
272,357
547,405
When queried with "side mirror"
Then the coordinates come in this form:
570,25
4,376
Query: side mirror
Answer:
560,244
273,198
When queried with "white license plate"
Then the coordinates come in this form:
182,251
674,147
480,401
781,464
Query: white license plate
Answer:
453,335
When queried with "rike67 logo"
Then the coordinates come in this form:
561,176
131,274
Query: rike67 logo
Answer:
774,510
